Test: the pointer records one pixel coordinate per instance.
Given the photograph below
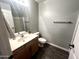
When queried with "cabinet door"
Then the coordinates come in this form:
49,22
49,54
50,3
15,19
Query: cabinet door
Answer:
34,46
23,53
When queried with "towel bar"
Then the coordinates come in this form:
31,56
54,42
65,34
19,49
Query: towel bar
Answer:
69,22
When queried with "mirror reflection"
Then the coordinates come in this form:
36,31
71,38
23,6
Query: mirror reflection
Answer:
17,18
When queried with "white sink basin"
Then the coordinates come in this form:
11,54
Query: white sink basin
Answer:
19,41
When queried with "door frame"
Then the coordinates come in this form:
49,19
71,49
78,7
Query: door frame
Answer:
75,30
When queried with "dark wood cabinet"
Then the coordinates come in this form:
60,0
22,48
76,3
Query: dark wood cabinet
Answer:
26,51
34,46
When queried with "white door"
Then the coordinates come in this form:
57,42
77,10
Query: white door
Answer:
74,52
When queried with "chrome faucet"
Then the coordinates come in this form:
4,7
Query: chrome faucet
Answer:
21,36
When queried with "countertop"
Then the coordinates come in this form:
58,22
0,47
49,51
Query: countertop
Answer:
19,41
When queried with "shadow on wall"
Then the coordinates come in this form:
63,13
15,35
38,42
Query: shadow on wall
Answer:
58,34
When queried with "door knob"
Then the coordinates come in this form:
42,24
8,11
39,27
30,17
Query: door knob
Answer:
71,46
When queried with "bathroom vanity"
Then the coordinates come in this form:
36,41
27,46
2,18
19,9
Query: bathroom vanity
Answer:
25,49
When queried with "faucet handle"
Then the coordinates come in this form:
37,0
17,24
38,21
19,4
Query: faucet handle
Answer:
22,35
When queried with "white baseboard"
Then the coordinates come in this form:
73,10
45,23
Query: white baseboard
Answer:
58,46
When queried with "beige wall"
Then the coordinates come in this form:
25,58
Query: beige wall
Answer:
58,10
